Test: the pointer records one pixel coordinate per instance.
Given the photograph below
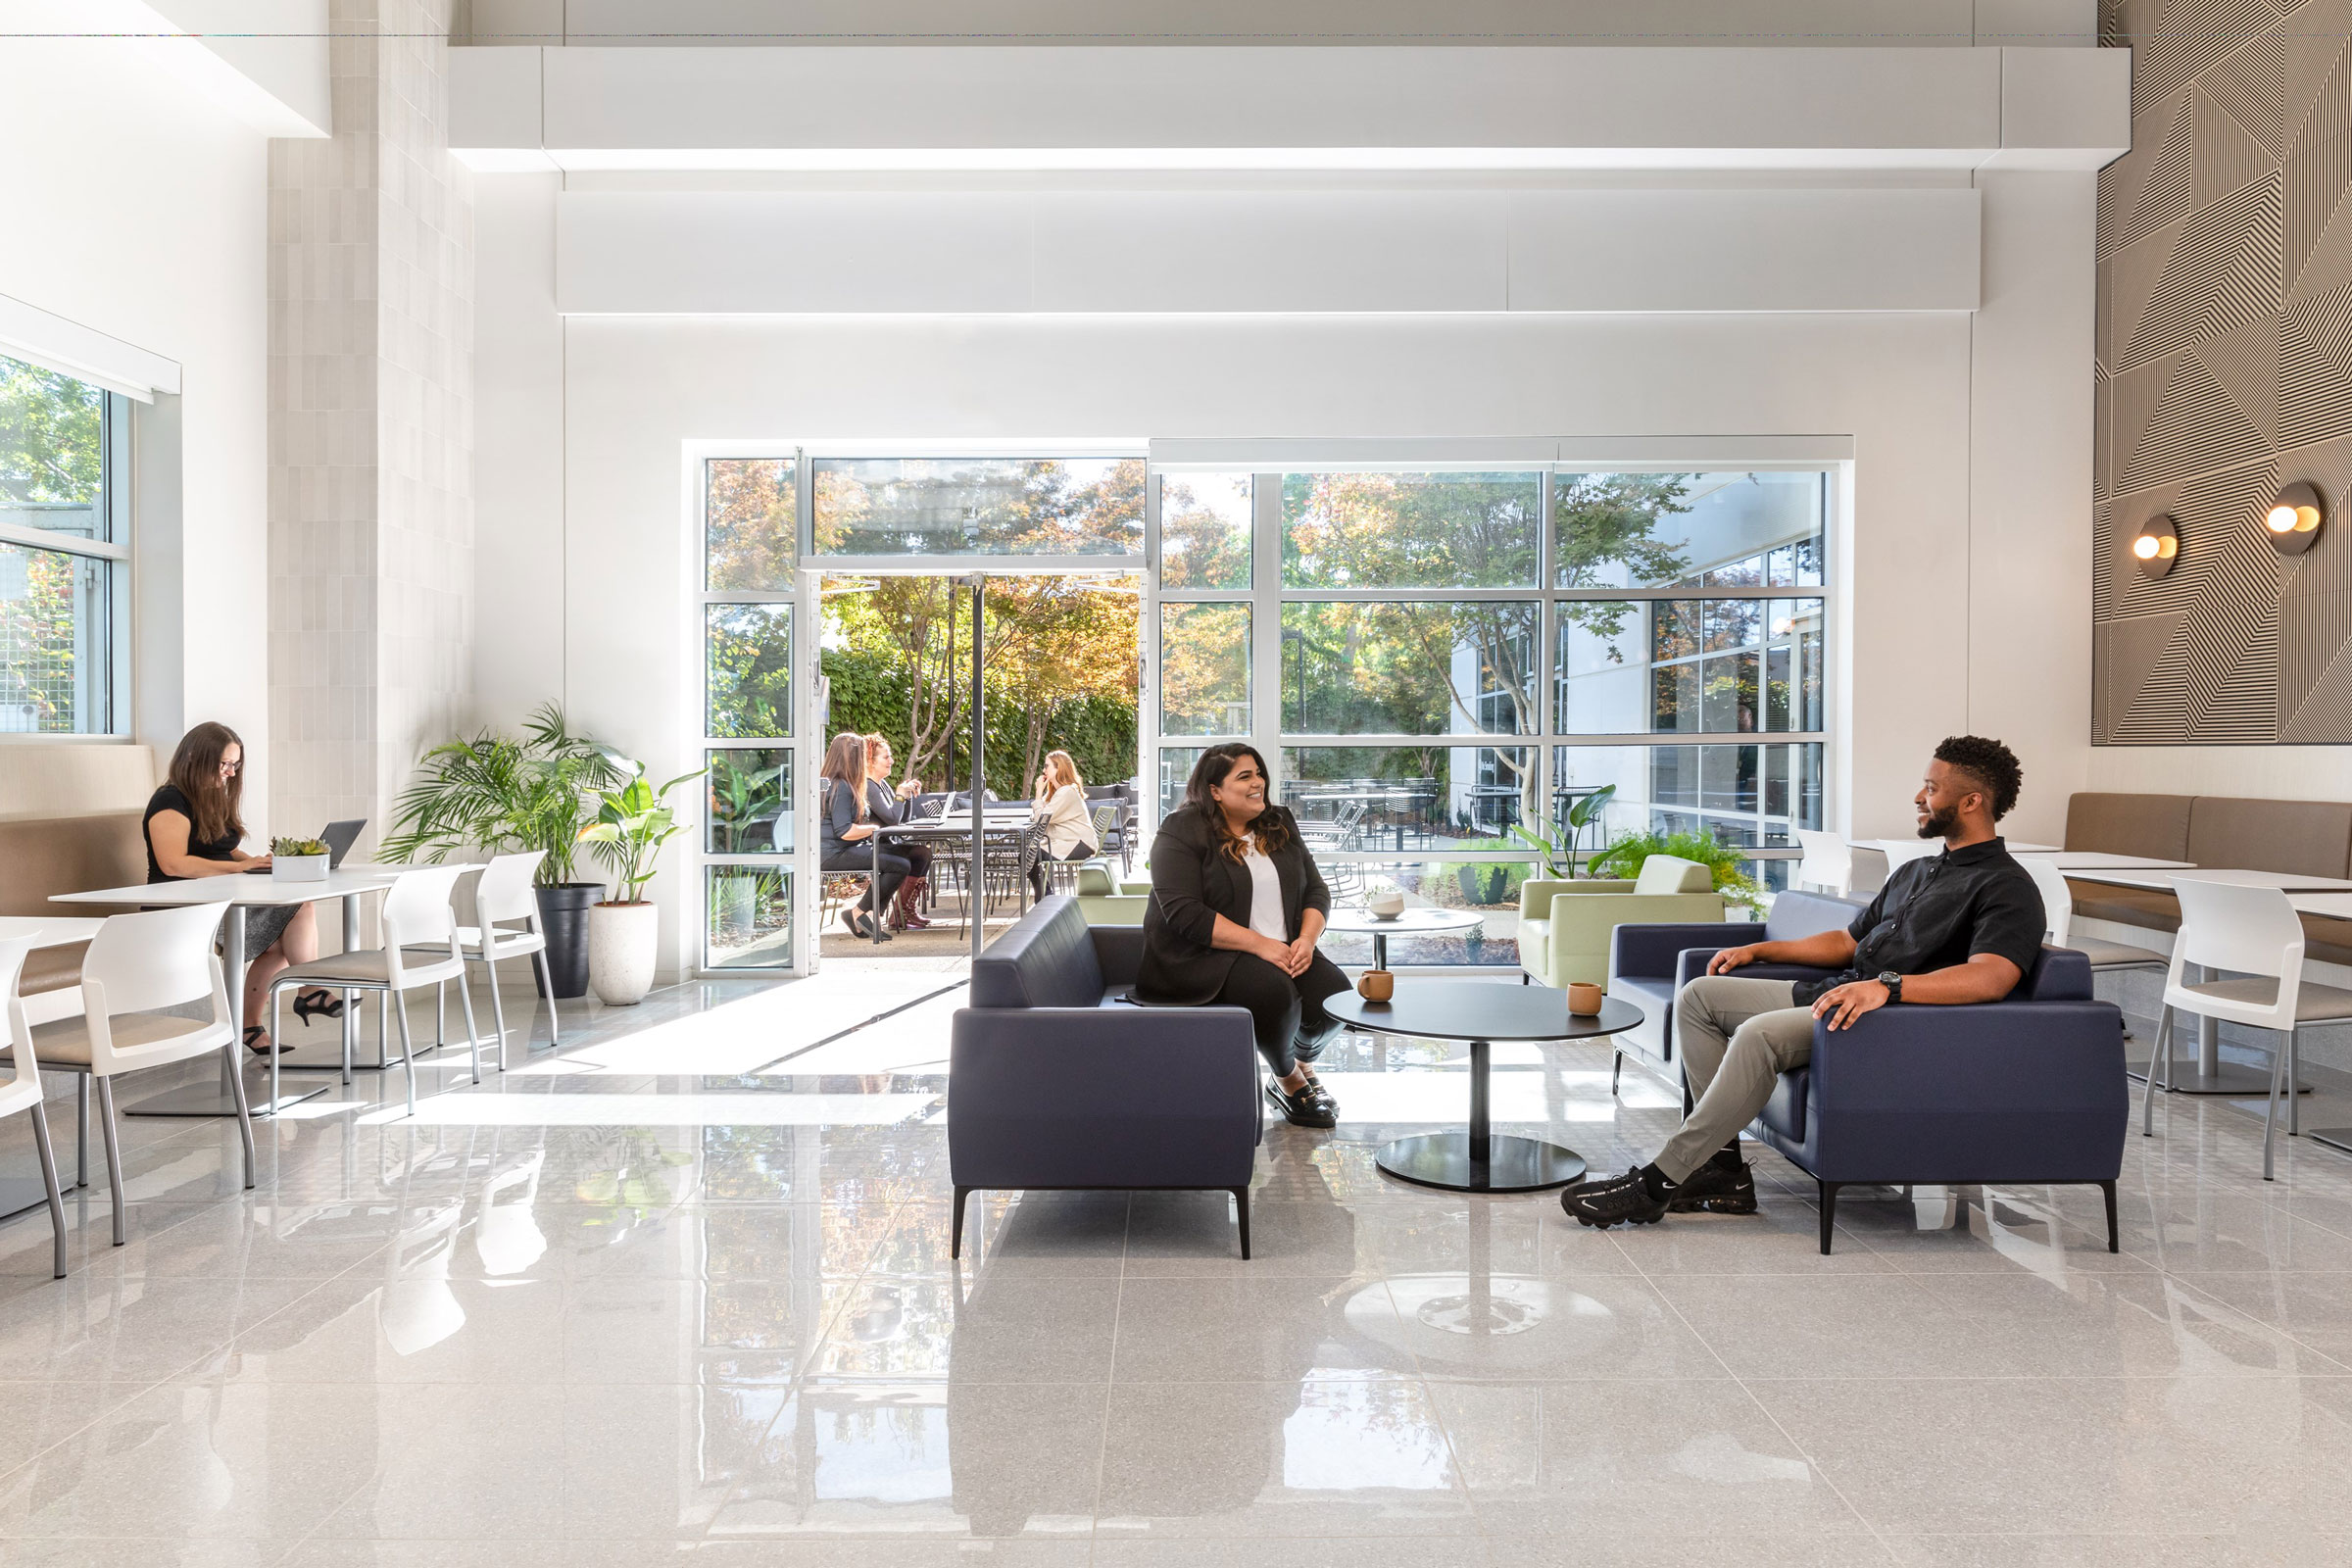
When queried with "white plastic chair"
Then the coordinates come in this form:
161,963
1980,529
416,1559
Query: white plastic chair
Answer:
500,898
1900,852
2058,919
1828,865
136,966
2251,932
23,1090
420,949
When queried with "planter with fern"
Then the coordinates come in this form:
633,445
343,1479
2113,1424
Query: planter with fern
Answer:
624,931
495,794
1624,858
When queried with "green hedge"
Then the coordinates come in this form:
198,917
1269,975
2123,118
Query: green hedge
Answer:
870,693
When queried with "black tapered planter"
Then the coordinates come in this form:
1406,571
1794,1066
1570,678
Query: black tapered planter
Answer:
563,920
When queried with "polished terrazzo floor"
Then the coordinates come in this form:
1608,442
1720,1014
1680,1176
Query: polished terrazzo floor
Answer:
664,1295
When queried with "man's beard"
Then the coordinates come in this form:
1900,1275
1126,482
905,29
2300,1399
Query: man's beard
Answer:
1940,824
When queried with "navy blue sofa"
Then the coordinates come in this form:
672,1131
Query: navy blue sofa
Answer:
2028,1091
1058,1082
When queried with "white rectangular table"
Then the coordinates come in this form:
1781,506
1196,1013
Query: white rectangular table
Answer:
2081,863
237,893
1904,849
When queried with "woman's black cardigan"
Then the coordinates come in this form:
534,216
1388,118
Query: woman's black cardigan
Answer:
1192,882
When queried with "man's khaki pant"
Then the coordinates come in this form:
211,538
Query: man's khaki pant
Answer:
1736,1037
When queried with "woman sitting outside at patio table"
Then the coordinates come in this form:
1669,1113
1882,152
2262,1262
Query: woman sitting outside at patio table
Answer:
848,825
1236,906
887,803
1069,820
193,828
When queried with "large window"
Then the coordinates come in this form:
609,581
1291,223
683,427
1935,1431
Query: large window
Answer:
65,571
1088,506
1457,658
751,548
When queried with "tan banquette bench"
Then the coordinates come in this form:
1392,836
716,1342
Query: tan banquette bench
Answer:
69,822
2309,838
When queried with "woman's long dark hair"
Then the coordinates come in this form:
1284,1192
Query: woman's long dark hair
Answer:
196,774
1271,829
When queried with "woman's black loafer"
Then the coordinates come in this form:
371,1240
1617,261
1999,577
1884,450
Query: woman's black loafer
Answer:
1309,1107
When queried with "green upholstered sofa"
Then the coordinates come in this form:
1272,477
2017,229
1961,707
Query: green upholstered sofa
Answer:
1105,898
1564,926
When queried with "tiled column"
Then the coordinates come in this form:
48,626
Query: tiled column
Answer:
371,427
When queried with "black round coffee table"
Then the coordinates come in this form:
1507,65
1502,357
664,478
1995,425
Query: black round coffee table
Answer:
1481,1012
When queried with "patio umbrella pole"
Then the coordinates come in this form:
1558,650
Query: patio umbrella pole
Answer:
975,888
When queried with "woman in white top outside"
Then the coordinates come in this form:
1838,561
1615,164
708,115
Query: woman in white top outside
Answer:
1061,805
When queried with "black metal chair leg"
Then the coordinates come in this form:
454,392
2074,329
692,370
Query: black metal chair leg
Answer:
1240,1200
2112,1240
1616,1066
1829,1213
956,1231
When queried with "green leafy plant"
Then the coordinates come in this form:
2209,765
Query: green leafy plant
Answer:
745,803
502,794
1584,813
295,849
631,825
1483,884
1624,858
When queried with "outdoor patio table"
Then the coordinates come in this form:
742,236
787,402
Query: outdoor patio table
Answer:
1351,920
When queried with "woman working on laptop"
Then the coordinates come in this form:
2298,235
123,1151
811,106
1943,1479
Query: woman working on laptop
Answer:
193,829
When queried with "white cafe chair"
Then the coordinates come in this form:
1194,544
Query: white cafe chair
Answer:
1902,853
23,1089
136,966
2252,933
508,928
1828,865
421,950
2058,921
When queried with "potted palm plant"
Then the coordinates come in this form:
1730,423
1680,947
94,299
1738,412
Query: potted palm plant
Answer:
631,825
496,794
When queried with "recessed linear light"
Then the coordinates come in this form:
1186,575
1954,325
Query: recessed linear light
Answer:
1208,160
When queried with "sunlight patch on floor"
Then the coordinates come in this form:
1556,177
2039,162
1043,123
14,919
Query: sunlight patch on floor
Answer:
655,1110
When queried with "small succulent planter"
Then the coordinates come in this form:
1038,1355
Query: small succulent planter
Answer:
298,860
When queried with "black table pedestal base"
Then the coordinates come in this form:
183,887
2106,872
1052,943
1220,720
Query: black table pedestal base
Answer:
1512,1164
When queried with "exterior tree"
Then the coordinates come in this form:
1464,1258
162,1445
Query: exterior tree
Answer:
52,448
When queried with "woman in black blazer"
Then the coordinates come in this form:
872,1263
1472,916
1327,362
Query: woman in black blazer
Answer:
1236,906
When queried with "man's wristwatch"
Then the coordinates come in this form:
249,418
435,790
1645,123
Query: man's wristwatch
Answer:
1893,983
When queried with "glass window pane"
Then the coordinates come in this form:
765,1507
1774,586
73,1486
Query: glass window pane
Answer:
55,638
1653,529
1597,682
980,506
1674,698
1410,530
1728,624
1175,767
1409,668
1776,688
1404,798
751,528
1673,629
1727,695
52,452
748,807
1749,794
1205,670
1204,531
748,654
750,917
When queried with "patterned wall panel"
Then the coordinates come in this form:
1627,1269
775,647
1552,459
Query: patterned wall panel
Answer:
2225,369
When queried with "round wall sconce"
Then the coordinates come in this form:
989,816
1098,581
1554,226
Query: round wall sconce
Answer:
2156,546
2293,519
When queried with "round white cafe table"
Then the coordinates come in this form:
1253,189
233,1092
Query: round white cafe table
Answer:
1355,920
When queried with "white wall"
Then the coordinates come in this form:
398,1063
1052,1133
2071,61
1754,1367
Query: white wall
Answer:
1955,617
139,211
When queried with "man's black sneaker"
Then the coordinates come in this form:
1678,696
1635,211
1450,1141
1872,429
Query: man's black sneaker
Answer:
1613,1201
1714,1189
1309,1107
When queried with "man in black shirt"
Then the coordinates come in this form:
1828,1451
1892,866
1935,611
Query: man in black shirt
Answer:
1963,926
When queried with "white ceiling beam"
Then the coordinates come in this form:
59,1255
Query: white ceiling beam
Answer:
858,109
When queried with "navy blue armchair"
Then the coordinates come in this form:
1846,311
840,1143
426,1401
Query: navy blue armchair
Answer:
1057,1081
2028,1090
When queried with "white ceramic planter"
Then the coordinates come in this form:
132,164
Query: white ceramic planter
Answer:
297,868
623,940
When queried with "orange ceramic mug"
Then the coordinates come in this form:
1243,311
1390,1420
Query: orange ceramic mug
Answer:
1377,985
1584,999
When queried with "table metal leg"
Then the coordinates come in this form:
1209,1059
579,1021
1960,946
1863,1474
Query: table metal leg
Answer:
1380,950
221,1101
1479,1161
